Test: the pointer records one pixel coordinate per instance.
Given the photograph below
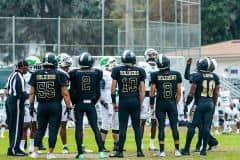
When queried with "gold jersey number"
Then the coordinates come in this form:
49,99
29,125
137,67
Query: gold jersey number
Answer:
167,90
207,88
86,83
129,85
46,89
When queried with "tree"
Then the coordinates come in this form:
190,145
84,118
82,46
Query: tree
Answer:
220,20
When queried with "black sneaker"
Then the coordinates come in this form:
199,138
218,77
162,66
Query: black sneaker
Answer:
197,149
116,154
10,153
22,152
203,153
140,154
42,148
185,152
105,150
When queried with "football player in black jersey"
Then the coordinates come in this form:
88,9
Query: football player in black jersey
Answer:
187,75
205,90
167,84
130,82
49,86
85,92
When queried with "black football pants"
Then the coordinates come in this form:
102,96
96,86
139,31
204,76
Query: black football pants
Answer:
48,115
129,106
169,108
91,113
202,117
200,135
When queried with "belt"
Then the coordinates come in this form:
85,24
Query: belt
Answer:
147,93
87,101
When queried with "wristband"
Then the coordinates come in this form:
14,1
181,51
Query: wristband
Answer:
113,96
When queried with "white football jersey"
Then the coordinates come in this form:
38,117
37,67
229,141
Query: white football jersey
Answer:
148,69
106,92
232,113
2,105
27,77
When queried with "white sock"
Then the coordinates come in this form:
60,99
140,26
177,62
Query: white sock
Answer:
2,131
22,144
31,143
152,143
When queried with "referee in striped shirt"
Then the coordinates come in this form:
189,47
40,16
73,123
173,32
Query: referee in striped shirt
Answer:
15,101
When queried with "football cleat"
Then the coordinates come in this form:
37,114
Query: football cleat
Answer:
177,153
185,152
51,156
116,154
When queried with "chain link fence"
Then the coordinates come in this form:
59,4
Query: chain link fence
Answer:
172,27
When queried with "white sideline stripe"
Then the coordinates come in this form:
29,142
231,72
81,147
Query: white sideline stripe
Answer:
16,134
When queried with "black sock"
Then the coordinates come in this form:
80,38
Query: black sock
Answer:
177,146
161,147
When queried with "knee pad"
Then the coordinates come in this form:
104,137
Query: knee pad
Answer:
115,131
104,131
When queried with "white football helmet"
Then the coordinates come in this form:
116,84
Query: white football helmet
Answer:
150,55
64,60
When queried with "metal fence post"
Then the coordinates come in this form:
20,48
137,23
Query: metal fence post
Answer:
13,41
103,23
147,24
59,35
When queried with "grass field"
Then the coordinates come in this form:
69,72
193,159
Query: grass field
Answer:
229,148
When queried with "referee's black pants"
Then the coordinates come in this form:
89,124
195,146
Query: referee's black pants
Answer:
91,113
15,122
48,115
129,106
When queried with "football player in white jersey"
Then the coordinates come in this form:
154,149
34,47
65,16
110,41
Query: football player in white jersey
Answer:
3,116
108,114
30,116
149,66
64,64
232,117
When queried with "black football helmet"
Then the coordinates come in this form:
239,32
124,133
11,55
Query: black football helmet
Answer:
85,60
128,56
163,62
50,59
204,64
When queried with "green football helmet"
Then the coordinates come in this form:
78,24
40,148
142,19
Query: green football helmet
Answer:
108,62
34,63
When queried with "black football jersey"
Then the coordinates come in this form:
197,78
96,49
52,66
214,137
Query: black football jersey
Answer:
128,79
206,83
48,84
85,84
166,84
